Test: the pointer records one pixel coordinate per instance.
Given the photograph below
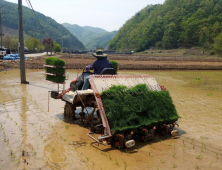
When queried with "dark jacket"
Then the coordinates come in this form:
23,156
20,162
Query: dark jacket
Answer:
99,65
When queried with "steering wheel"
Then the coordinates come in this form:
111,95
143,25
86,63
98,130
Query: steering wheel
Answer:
86,70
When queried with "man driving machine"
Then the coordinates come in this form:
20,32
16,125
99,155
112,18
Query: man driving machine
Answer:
97,66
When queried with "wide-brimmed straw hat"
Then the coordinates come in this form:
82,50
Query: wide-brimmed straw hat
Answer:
99,54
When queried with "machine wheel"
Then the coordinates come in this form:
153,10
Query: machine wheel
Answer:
68,110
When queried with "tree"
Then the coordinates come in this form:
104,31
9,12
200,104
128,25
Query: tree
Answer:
218,44
32,43
57,47
10,42
46,42
171,36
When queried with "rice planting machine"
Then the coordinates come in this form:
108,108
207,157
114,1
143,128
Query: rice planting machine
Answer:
118,112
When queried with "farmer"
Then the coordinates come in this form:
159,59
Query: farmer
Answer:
97,66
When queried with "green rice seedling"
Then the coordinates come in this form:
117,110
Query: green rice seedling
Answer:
59,70
117,163
52,149
74,147
162,161
162,110
125,165
193,146
196,166
137,158
36,104
174,155
73,134
217,156
18,160
149,153
174,165
66,126
169,144
198,156
64,139
87,158
109,156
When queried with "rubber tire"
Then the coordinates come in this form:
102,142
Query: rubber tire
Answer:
68,110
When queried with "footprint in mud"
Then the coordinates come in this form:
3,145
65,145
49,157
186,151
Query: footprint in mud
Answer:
78,143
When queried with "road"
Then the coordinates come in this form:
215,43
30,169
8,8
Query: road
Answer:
35,54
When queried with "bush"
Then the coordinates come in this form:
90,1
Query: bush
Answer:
137,107
159,45
212,52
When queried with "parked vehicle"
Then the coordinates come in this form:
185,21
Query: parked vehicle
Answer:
3,52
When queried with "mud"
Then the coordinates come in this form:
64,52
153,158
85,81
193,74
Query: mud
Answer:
33,138
127,62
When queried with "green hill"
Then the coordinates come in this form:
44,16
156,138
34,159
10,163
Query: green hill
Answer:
90,36
101,40
33,29
173,24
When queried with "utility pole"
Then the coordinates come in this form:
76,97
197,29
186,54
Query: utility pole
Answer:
50,45
21,42
1,26
62,44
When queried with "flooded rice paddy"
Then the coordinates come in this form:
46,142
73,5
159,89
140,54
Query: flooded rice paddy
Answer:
33,138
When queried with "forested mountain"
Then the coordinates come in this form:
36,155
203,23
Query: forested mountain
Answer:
90,36
101,40
94,29
173,24
32,27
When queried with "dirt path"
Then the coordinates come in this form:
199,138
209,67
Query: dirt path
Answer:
127,62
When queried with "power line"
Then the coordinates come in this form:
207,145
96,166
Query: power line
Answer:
29,4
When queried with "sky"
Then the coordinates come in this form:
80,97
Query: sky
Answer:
106,14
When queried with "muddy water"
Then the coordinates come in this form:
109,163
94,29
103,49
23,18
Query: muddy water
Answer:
33,138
